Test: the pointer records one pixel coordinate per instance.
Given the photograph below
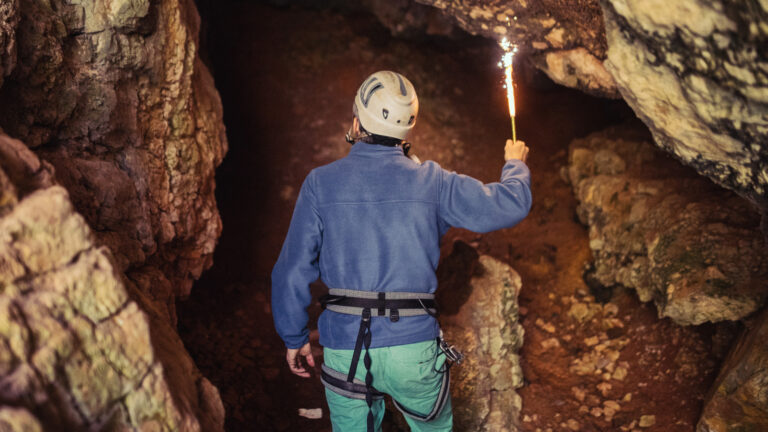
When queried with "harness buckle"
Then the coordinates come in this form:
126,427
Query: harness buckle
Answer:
394,315
452,354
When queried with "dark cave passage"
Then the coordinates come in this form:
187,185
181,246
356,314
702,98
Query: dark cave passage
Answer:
286,78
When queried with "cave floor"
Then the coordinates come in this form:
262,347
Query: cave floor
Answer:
287,78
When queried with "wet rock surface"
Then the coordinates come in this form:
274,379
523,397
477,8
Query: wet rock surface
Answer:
738,398
485,327
114,96
696,73
693,248
81,348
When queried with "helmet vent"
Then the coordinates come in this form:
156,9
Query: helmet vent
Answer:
367,97
385,113
410,120
403,91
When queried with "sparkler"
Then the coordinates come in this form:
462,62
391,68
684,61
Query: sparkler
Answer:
506,63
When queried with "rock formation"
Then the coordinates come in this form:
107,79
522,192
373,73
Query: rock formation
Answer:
113,95
565,39
80,347
9,18
691,247
696,73
479,314
738,398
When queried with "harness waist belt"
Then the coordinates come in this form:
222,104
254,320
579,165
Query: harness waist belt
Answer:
390,304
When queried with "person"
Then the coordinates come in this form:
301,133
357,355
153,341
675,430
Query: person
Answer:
369,225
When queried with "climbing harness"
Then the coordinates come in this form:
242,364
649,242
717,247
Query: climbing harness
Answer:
368,304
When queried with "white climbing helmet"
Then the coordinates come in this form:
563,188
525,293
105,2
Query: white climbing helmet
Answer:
386,104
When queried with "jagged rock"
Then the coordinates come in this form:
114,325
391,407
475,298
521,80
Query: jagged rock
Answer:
80,349
693,248
406,17
738,399
565,39
9,18
485,327
696,73
114,95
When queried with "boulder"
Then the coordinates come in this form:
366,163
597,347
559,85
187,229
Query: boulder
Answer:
479,313
696,73
80,347
693,248
739,398
114,96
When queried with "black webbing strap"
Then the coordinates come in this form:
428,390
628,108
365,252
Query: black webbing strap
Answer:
379,305
365,327
364,340
368,376
337,382
382,303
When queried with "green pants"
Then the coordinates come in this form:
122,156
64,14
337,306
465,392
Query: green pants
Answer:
408,373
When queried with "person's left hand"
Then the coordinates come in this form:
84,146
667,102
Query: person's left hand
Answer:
292,357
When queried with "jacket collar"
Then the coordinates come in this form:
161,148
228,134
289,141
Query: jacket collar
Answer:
374,150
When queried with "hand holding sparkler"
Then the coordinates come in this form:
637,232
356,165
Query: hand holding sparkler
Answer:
516,150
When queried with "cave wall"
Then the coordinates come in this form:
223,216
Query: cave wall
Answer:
81,348
655,226
696,73
563,38
479,313
108,213
738,399
114,96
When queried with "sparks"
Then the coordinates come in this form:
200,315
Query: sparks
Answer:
506,62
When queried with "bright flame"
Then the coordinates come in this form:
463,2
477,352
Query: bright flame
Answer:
506,62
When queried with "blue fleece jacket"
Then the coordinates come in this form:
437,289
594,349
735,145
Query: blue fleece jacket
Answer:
373,221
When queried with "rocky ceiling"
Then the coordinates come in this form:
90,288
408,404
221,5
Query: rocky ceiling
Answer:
695,71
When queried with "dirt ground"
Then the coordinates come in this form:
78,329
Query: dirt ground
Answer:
287,78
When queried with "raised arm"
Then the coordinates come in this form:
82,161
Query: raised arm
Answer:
468,203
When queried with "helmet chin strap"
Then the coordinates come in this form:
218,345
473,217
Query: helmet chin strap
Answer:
354,134
406,147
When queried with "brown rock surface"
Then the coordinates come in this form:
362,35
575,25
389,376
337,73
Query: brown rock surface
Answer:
696,73
113,95
694,249
565,39
480,316
76,351
9,18
738,398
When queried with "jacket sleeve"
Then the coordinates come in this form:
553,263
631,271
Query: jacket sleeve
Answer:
296,268
465,202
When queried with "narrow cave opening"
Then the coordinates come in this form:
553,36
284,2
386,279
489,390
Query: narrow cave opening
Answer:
286,76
